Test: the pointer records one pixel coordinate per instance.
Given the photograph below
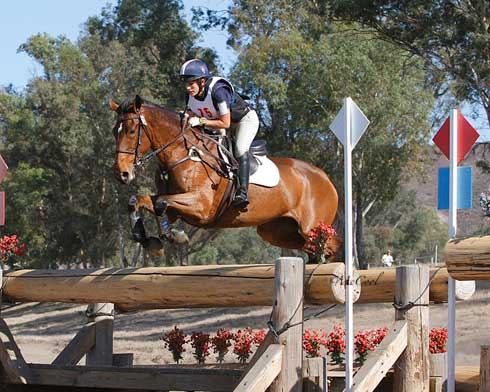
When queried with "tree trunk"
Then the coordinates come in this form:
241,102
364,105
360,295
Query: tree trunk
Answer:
183,254
361,254
120,234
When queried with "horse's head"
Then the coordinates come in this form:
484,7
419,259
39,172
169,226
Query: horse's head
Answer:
132,138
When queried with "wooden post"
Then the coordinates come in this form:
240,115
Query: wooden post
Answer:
287,309
438,372
484,369
412,368
315,375
103,317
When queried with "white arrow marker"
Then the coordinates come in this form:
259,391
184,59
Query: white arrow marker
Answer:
349,125
358,120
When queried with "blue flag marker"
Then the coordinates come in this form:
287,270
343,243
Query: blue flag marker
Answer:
465,188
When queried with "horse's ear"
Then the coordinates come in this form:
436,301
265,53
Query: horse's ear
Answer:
114,105
138,102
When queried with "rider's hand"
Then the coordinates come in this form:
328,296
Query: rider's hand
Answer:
197,121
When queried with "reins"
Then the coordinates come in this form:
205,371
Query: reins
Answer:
194,152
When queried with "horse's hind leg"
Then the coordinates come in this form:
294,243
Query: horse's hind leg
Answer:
282,232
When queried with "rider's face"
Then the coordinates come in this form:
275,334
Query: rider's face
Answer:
192,87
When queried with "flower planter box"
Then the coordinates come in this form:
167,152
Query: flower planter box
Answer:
315,374
438,372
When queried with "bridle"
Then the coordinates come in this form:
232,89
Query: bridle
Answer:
140,161
194,152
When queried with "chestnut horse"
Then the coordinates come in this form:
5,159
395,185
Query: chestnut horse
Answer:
283,214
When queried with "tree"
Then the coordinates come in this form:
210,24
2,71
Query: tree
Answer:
60,152
156,41
57,135
297,67
452,37
411,231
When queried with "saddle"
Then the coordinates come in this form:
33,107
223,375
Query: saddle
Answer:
262,170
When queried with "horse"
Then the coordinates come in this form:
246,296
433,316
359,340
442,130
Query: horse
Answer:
196,184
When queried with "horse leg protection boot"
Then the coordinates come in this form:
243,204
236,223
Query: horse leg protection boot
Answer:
241,196
137,227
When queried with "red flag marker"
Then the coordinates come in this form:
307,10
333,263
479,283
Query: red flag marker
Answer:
467,136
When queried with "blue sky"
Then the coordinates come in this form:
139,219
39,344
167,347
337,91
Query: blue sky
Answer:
24,18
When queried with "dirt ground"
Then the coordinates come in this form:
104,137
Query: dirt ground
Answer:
43,330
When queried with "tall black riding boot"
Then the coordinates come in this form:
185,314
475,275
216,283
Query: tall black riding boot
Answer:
241,198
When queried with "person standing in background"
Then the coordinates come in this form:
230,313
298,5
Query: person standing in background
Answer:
387,259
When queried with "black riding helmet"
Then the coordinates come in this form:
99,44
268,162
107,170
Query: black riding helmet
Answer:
193,70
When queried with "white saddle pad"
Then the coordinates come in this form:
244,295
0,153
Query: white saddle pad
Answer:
267,173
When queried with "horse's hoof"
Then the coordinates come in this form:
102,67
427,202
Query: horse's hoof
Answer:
153,247
177,236
133,200
138,231
160,206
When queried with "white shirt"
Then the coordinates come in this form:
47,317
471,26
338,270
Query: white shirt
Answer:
205,108
387,260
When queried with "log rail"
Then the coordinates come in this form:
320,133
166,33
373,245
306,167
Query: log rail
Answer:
172,287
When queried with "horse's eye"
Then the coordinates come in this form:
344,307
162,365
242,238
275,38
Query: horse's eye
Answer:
117,129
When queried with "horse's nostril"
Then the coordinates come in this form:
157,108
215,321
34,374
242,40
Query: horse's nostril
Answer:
124,176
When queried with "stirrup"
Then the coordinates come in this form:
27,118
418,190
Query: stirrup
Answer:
240,201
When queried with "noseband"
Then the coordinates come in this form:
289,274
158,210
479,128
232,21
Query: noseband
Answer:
140,161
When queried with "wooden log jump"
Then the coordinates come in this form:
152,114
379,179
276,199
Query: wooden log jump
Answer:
278,360
468,258
378,286
172,287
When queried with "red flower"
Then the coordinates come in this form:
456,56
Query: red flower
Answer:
438,340
200,344
378,335
317,240
174,341
221,343
259,337
243,344
312,342
10,248
336,344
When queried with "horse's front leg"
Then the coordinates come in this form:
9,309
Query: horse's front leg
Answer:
137,227
192,206
153,245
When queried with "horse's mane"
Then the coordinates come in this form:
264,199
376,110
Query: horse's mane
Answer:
127,106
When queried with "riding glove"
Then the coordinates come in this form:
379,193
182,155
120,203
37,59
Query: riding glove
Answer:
197,121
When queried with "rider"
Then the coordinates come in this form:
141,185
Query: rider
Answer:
213,102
